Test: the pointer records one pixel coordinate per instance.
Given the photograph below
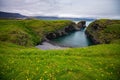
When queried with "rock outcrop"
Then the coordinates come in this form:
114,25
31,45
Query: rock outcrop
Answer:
81,25
92,38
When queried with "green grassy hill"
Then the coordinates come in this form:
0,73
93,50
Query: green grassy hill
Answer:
28,32
98,62
101,62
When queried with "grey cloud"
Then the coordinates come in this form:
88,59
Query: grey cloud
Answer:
62,7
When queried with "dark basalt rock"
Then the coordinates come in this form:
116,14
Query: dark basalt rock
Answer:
81,25
51,36
70,28
92,38
95,26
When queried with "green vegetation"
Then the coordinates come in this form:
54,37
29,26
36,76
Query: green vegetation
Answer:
105,31
99,62
28,32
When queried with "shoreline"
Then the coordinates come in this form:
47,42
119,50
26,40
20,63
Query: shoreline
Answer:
49,45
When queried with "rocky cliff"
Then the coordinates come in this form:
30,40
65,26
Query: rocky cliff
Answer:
61,32
81,25
104,31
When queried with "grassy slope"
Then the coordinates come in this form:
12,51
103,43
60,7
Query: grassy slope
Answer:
101,62
28,32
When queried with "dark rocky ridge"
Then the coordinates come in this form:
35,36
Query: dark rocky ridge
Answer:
92,38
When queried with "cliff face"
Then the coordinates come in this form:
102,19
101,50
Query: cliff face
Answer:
104,31
70,28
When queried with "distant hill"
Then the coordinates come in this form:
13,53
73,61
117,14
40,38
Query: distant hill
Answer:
11,15
62,18
17,15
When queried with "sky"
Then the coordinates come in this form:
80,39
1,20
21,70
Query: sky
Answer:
63,8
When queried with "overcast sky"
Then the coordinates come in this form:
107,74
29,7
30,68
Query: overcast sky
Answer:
64,8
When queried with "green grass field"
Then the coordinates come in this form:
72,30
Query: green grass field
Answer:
98,62
101,62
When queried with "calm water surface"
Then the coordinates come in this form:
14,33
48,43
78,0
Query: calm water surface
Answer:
75,39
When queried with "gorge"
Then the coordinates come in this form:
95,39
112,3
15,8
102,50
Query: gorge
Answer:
71,36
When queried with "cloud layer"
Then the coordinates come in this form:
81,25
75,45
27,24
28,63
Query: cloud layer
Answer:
63,8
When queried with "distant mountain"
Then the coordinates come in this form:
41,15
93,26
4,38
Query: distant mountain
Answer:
62,18
11,15
46,17
17,15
